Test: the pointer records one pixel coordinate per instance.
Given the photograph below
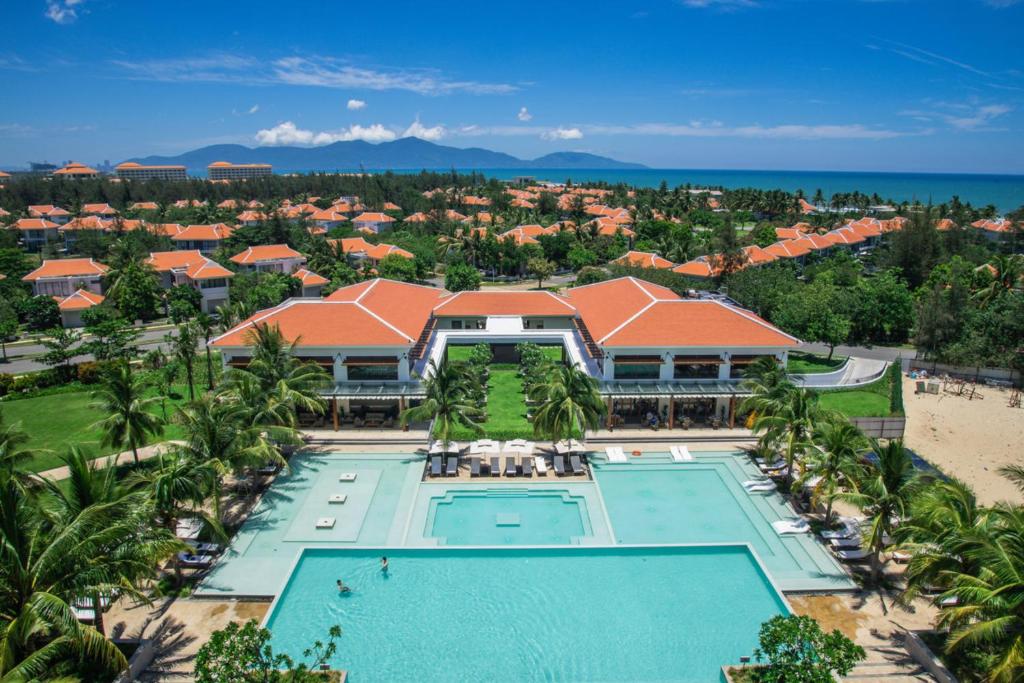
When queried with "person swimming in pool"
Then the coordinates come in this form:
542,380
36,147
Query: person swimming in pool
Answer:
342,588
384,564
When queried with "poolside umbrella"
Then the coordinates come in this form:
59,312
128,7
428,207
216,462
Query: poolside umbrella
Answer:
438,448
485,447
519,447
570,446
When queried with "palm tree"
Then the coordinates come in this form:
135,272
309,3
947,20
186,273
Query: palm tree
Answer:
1007,272
129,421
833,461
183,346
447,403
12,453
87,484
49,564
205,325
571,403
884,489
787,416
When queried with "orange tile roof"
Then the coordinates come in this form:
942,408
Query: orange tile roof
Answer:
521,204
643,259
308,278
99,209
391,206
46,211
327,216
604,306
265,252
998,225
698,267
251,216
352,245
145,206
168,229
789,233
192,263
206,233
757,256
807,207
524,234
373,217
80,300
695,323
228,204
844,235
504,303
418,217
866,227
470,200
34,224
788,249
87,223
610,227
75,168
68,267
944,224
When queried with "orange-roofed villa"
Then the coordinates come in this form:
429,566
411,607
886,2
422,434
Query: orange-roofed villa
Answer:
272,258
196,270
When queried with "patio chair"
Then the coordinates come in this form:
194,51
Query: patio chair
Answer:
558,462
187,559
853,555
452,470
791,526
435,466
474,466
495,466
510,466
844,543
527,467
576,464
541,465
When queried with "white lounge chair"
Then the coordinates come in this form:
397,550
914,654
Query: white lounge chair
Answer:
766,486
325,523
845,543
791,526
337,498
853,555
849,529
680,453
615,454
541,465
347,476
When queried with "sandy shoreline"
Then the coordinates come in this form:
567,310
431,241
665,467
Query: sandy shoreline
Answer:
968,439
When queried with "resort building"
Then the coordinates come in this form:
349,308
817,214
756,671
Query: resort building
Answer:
63,277
204,238
224,170
361,251
72,306
372,222
4,178
195,270
36,232
312,284
652,352
269,258
643,259
131,170
50,212
76,171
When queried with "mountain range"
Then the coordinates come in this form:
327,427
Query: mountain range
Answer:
401,154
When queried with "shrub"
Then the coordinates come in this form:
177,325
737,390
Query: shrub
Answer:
461,277
6,382
90,372
798,651
895,389
588,275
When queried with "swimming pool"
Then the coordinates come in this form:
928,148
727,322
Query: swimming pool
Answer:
703,501
529,614
508,516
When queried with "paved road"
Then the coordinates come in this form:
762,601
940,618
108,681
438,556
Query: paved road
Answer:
25,358
885,353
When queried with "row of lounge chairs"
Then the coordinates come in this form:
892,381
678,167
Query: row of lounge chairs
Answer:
514,467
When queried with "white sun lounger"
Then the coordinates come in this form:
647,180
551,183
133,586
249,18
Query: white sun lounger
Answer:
615,454
845,543
791,526
347,476
540,465
680,453
337,498
325,523
853,555
849,529
766,486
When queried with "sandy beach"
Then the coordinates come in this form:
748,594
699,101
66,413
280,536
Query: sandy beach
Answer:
968,439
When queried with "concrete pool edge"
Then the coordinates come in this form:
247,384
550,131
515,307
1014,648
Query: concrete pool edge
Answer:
571,549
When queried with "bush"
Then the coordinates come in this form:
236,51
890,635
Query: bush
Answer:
40,313
6,382
798,651
590,275
90,372
461,277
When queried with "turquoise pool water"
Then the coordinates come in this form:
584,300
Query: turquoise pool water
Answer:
704,502
557,614
508,516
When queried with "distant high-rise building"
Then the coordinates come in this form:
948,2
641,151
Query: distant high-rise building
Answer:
224,170
130,170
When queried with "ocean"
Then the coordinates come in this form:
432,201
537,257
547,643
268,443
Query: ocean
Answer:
1005,192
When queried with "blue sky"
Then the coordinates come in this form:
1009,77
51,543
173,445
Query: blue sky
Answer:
891,85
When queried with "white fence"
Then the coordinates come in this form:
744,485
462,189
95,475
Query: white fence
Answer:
998,375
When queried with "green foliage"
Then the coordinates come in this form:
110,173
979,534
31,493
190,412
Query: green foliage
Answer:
40,313
460,277
541,269
242,654
796,650
112,336
183,303
257,291
135,292
8,324
895,389
396,267
580,257
589,275
60,349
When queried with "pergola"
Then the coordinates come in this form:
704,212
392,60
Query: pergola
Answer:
372,391
673,390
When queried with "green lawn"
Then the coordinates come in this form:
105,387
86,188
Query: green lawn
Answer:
870,400
805,363
506,407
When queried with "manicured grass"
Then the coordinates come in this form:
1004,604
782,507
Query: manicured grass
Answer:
506,407
870,400
55,421
806,363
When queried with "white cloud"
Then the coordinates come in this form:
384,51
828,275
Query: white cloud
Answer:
372,133
979,118
254,108
355,105
725,5
418,130
964,117
286,133
330,72
562,134
523,114
62,11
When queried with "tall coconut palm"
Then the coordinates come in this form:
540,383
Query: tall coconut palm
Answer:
787,416
48,565
571,403
884,489
833,461
129,420
13,454
1007,272
183,347
87,484
447,403
205,325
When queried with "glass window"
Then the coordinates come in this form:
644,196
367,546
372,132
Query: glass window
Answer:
213,284
638,371
456,324
372,373
695,371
